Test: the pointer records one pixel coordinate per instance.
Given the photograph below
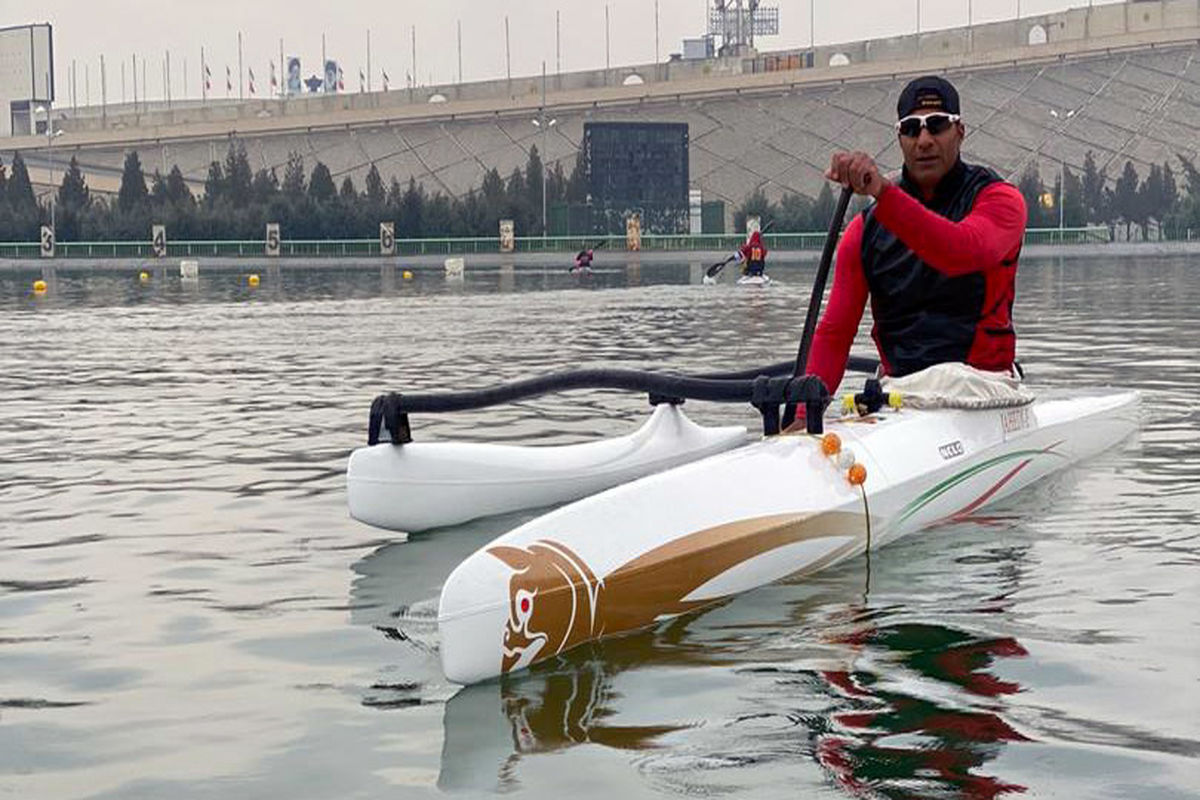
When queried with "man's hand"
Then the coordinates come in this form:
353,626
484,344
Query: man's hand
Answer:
858,171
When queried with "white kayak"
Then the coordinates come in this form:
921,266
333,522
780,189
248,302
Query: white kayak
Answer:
422,485
754,280
702,532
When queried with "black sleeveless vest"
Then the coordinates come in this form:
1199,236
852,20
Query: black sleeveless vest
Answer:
923,317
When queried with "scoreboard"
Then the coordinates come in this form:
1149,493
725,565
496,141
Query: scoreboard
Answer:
637,163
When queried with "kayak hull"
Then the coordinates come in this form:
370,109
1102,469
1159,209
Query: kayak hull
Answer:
704,531
754,280
423,485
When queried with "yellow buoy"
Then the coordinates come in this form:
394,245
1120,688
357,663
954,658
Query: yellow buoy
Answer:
253,280
895,400
39,287
144,277
407,275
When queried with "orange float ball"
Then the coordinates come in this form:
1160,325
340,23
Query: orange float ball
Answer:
831,444
857,474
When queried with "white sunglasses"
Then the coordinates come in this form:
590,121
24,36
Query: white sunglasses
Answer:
936,123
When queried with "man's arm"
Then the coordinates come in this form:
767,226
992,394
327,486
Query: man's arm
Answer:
839,324
988,235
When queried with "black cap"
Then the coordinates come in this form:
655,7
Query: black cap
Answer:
927,93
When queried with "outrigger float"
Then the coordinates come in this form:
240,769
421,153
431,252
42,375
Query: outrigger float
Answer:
687,516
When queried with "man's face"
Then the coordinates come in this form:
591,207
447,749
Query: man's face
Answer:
928,157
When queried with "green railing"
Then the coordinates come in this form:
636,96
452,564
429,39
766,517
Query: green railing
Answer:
362,248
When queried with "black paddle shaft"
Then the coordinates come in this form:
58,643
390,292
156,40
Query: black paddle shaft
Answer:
818,292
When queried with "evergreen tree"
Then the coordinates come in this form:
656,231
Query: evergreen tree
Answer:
320,184
177,189
1074,212
492,191
20,189
533,191
823,208
412,210
1031,187
756,205
1151,203
376,195
158,189
3,184
294,186
238,175
1170,194
348,194
132,194
214,184
1125,198
265,186
577,184
1093,190
73,201
795,212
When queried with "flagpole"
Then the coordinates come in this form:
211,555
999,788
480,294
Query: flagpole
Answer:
324,74
282,72
241,74
368,59
203,76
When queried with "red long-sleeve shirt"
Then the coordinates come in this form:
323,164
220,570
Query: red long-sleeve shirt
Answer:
986,240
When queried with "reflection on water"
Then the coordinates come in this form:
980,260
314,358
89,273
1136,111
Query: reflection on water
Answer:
187,612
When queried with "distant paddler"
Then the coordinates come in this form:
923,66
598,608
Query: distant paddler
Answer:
753,256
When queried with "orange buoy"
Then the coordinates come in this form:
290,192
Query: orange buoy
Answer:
831,444
857,474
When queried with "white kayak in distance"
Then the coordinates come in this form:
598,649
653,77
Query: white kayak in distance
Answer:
421,485
790,504
754,280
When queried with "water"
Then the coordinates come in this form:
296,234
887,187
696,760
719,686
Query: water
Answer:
186,611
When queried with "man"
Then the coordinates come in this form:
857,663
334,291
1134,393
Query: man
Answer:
753,255
936,253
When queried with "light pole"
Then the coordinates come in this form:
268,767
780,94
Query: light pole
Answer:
51,135
545,126
1062,167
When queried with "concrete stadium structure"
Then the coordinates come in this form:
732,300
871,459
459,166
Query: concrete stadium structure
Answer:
1122,81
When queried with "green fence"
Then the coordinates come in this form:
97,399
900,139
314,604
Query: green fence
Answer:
337,248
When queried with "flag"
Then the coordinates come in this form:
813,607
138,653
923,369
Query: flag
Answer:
385,80
362,80
341,85
251,79
274,82
207,78
228,79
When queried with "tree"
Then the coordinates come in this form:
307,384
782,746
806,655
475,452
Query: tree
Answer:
214,184
1125,198
577,188
755,205
3,184
73,200
1074,211
132,194
348,194
1093,190
533,190
412,210
264,187
178,192
320,184
823,209
1151,204
238,175
1031,187
795,212
20,189
376,195
294,186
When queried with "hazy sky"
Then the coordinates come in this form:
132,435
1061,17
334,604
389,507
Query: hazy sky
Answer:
149,28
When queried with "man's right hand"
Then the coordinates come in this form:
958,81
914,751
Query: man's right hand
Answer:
858,171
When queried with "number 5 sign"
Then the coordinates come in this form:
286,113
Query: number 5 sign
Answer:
387,238
272,238
158,241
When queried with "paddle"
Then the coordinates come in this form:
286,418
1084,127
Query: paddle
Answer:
715,270
581,253
818,291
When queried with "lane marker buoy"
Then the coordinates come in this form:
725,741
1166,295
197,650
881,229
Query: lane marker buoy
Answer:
252,280
39,287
